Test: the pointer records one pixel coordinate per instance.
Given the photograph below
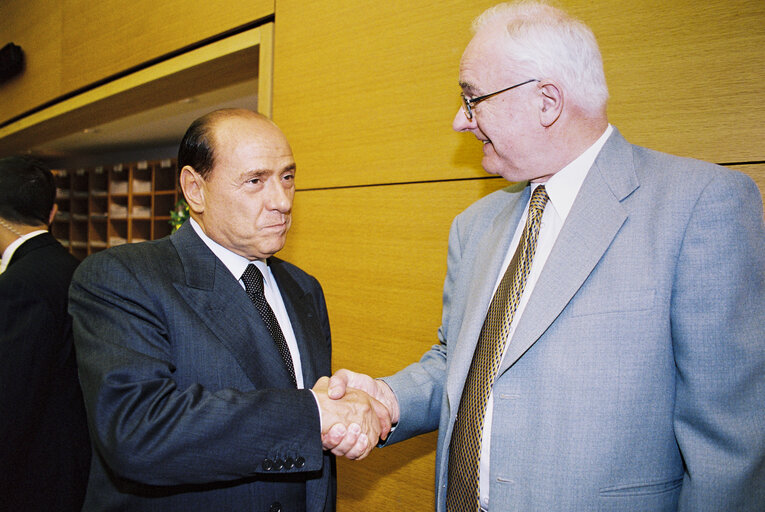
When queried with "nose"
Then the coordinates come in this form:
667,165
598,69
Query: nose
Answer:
279,198
461,123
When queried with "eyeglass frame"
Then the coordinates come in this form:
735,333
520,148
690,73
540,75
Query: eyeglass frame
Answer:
469,103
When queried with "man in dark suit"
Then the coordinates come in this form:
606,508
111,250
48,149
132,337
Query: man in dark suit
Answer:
44,446
614,361
195,383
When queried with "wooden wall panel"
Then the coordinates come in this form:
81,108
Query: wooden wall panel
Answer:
380,254
683,75
396,479
35,26
74,43
367,90
142,30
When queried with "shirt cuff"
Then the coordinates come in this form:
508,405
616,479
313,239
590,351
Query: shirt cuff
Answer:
318,408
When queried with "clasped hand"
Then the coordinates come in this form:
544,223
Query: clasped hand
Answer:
355,411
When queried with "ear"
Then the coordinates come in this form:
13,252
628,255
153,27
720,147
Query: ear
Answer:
52,215
552,102
193,186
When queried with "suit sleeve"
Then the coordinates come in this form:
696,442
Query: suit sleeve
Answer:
148,429
718,323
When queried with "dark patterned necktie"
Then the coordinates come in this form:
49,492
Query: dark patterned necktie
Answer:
463,493
253,285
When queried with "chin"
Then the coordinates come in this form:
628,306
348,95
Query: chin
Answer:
491,167
273,248
503,171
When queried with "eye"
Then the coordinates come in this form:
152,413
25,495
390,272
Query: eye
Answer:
254,181
288,176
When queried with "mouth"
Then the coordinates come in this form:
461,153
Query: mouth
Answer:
276,223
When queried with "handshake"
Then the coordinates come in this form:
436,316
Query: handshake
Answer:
356,410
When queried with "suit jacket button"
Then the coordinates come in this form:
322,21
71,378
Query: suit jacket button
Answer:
299,462
278,464
275,507
267,464
289,463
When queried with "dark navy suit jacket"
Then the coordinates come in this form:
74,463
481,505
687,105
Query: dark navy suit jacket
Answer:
44,447
189,402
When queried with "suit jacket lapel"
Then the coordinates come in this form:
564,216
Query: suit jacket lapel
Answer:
485,271
306,327
595,218
222,305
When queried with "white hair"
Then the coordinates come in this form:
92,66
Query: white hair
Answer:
548,43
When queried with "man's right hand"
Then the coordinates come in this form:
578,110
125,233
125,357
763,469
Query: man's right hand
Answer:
352,423
345,441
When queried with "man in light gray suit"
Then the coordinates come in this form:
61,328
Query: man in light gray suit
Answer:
632,375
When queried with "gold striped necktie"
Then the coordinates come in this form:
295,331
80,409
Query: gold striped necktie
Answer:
463,492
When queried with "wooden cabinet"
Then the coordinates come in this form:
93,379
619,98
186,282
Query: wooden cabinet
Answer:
103,207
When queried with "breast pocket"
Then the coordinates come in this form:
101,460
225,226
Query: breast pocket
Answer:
615,301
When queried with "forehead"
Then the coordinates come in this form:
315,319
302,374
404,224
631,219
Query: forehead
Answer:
484,62
249,141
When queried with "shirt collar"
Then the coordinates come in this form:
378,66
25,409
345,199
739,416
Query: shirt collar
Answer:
233,262
8,252
563,187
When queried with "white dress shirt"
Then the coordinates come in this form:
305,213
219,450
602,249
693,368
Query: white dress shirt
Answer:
8,252
562,189
236,265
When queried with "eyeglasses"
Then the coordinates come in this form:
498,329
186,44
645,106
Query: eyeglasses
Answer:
469,103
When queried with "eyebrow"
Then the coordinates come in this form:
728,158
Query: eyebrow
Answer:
249,174
254,173
467,87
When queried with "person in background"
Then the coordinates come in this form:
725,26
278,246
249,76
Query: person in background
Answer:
602,345
197,351
44,445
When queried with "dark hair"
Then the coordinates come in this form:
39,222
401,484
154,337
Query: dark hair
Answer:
27,190
196,148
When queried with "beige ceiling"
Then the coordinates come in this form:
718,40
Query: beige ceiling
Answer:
147,132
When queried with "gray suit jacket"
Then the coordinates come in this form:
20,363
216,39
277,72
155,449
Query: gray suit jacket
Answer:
636,376
189,403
